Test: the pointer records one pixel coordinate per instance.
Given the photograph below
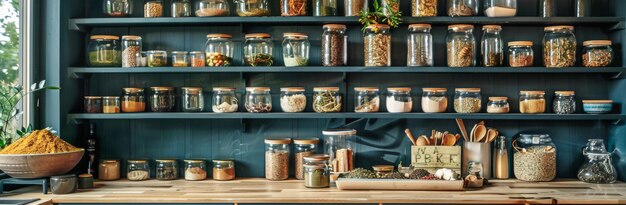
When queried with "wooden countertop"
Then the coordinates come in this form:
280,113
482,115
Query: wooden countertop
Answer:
292,191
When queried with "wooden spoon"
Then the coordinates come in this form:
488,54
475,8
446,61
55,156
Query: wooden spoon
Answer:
449,140
459,122
473,133
480,133
422,140
410,135
491,135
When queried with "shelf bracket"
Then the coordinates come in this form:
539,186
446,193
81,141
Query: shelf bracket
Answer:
617,122
615,76
617,26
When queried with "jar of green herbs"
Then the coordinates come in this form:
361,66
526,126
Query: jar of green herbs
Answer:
104,51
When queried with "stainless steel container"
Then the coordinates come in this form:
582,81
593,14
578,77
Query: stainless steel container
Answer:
64,184
479,154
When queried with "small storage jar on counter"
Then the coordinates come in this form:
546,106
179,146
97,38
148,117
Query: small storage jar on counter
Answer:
219,49
461,46
597,53
521,53
491,46
327,99
133,100
258,99
104,50
206,8
399,100
180,8
156,58
419,45
334,45
131,49
462,8
296,48
292,99
354,7
110,104
193,99
377,42
598,167
559,46
324,7
224,100
366,99
303,148
277,159
534,159
340,145
118,8
293,7
153,8
109,170
223,169
162,99
532,102
180,59
434,100
93,104
500,8
166,169
195,170
498,105
424,8
467,100
253,7
257,50
317,172
137,170
564,102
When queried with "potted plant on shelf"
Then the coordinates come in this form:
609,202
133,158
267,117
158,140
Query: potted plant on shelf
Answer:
376,34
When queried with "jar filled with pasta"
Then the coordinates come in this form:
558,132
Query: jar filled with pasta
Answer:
559,46
492,47
597,53
334,45
419,45
521,54
296,48
224,100
377,42
258,99
293,7
532,102
257,50
461,45
137,170
366,99
327,99
219,49
153,8
133,100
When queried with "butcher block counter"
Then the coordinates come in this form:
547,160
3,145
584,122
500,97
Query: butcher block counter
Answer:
250,191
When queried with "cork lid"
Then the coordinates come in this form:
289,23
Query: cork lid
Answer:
165,160
492,27
192,88
278,141
532,92
521,43
161,88
437,90
179,52
467,89
564,93
134,38
137,161
109,160
460,27
383,168
223,161
342,132
317,157
257,89
93,97
498,98
292,89
295,35
223,89
326,89
398,89
132,90
111,97
597,43
334,26
219,35
554,28
420,26
258,35
306,141
598,101
193,160
104,37
373,89
379,26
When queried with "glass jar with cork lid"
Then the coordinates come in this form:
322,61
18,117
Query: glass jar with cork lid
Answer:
327,99
597,53
296,48
559,46
377,42
133,100
137,170
334,45
162,99
257,49
492,47
224,100
340,145
467,100
462,8
419,45
110,104
253,7
292,99
564,102
498,105
195,170
109,170
317,171
366,99
104,51
258,99
277,158
166,169
153,8
461,46
434,100
303,148
219,49
532,102
212,8
223,169
131,49
193,99
521,53
399,100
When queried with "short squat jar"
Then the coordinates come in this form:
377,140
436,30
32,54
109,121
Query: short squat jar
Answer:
521,54
303,148
277,159
399,100
93,104
498,105
434,100
559,46
377,42
133,100
137,170
564,102
419,45
219,49
153,8
462,8
180,8
110,104
532,102
334,45
327,99
206,8
253,7
257,50
166,169
597,53
162,99
296,48
156,58
118,8
366,99
180,59
461,46
193,99
195,170
293,7
109,170
467,100
292,99
224,100
317,171
258,99
104,50
223,169
491,46
197,59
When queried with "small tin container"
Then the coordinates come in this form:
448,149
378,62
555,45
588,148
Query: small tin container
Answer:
63,184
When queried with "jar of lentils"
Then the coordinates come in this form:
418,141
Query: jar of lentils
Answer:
467,100
258,99
366,99
564,102
559,46
193,99
131,48
597,53
303,149
460,45
532,102
219,49
334,45
162,99
224,100
419,45
327,99
498,105
257,50
521,53
277,159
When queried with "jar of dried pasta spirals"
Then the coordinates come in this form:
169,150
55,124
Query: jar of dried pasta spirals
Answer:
532,102
377,41
559,46
597,53
461,45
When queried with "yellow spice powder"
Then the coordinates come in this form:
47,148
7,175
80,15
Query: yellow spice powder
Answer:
39,142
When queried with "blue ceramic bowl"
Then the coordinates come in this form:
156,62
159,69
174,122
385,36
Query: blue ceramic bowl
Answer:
597,106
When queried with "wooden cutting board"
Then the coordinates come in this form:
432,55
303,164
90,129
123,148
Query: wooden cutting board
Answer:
399,184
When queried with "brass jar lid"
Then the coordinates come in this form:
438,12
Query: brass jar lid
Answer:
371,89
104,37
437,90
520,43
317,89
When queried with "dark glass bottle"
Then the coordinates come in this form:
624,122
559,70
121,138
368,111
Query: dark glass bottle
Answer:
91,147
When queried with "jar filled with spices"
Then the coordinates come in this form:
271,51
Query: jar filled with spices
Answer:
324,7
419,45
197,59
162,99
564,102
423,8
500,8
399,100
277,159
296,48
434,100
354,7
340,145
224,100
597,53
462,8
179,59
521,54
93,104
366,99
492,47
118,8
193,99
532,102
206,8
195,170
223,170
317,171
153,8
377,42
460,45
109,170
156,58
253,7
258,99
257,50
327,99
559,46
534,159
467,100
303,148
137,170
133,100
104,50
131,47
498,105
598,167
180,8
293,7
292,99
110,104
219,49
166,169
334,45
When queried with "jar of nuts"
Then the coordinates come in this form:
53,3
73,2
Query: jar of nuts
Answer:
219,49
153,8
597,53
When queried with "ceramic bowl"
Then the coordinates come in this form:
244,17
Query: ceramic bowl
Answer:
597,106
29,166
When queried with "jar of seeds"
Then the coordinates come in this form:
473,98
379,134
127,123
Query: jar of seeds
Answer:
153,8
423,8
377,42
498,105
193,99
166,169
162,99
212,8
434,100
253,7
197,59
467,100
559,46
156,58
419,45
327,99
180,8
257,50
460,45
521,54
304,148
462,8
219,49
354,7
137,170
532,102
277,159
296,49
324,7
334,45
534,159
492,47
180,59
258,99
597,53
564,102
224,100
366,99
399,100
292,99
131,47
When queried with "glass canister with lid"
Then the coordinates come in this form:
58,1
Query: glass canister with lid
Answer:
366,99
193,99
195,170
419,45
131,48
498,105
110,104
597,53
180,8
118,8
166,169
92,104
559,46
292,99
153,8
219,49
500,8
206,8
423,8
461,45
162,99
133,100
109,170
521,54
598,167
156,58
137,170
462,8
257,50
197,59
377,42
564,102
317,171
390,7
104,50
258,99
277,159
303,148
434,100
334,45
327,99
532,102
180,59
467,100
399,100
492,47
534,159
354,7
253,7
324,7
223,169
224,100
296,48
293,7
340,145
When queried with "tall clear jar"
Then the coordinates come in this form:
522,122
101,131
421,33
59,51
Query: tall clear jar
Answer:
559,46
500,8
547,8
467,100
399,100
498,105
195,170
564,102
224,100
153,8
582,8
223,169
334,45
110,104
137,170
257,50
104,50
193,99
206,8
131,47
133,100
366,99
532,102
461,46
492,47
354,7
293,7
419,45
180,59
303,148
253,7
597,53
390,7
340,145
327,99
296,48
166,169
462,8
162,99
219,49
118,8
197,59
434,100
534,159
180,8
156,58
521,54
377,42
423,8
277,159
324,7
258,99
292,99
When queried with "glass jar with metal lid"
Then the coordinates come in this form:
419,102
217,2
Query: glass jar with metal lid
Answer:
340,145
257,50
399,100
434,100
258,99
296,48
498,105
292,99
597,53
110,104
316,171
195,170
193,99
366,99
109,170
462,8
212,8
303,148
532,102
423,8
293,7
559,46
166,169
224,100
131,48
467,100
334,45
500,8
492,47
137,170
324,7
253,7
219,49
521,54
104,50
180,8
197,59
162,99
277,158
419,45
564,102
461,46
354,7
327,99
180,58
223,170
156,58
377,42
133,100
93,104
153,8
118,8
